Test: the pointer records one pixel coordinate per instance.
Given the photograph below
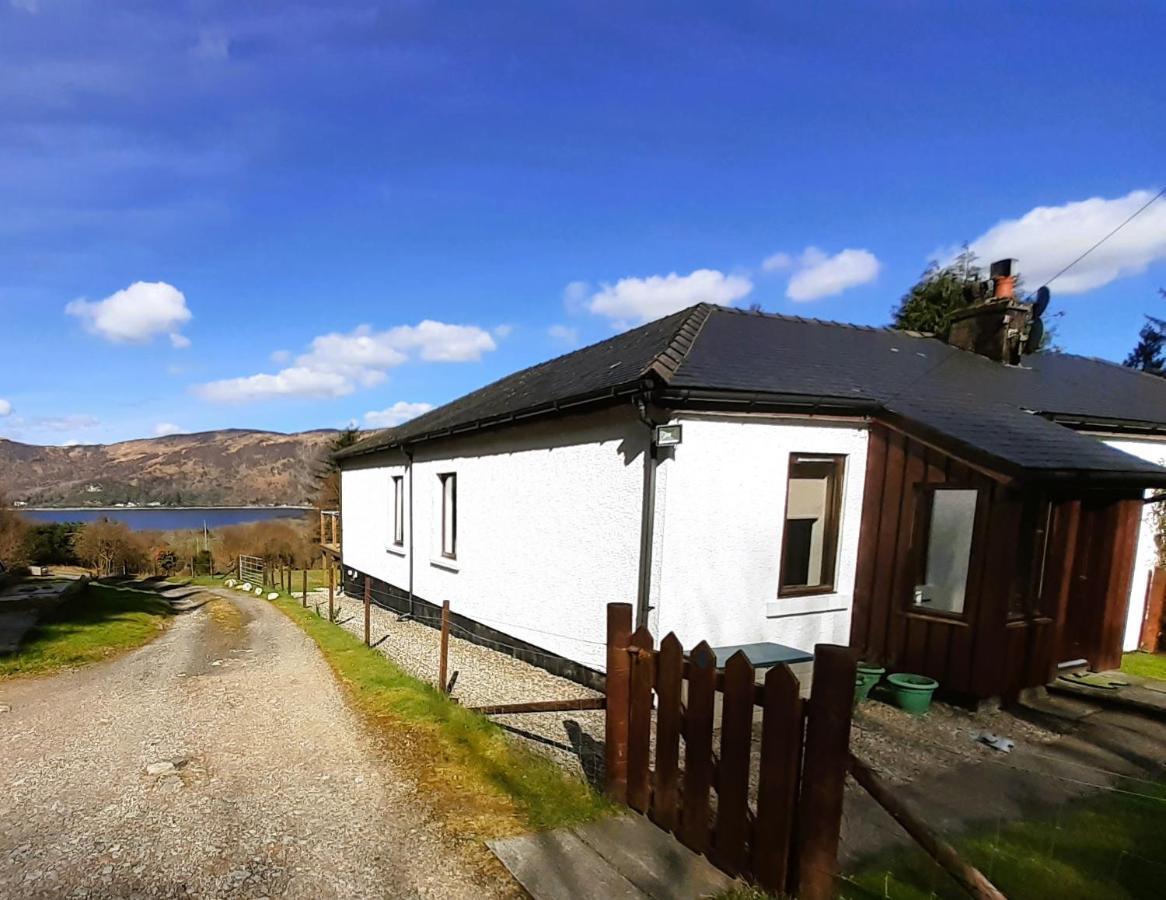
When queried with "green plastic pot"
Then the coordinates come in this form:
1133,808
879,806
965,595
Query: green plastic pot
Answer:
868,676
912,693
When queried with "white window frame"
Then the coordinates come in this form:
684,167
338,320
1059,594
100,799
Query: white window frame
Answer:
398,511
447,537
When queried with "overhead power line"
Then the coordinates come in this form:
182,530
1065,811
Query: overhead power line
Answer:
1137,213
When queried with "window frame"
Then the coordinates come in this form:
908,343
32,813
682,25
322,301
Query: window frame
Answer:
398,510
831,527
448,484
921,544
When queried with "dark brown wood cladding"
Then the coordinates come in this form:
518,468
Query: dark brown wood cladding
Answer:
1020,589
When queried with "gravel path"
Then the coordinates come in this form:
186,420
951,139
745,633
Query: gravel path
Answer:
572,739
219,761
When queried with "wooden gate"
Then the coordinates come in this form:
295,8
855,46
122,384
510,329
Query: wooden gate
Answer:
765,803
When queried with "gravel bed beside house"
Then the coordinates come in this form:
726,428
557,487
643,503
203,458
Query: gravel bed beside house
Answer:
574,740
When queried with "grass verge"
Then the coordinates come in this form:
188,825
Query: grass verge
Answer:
1145,665
483,784
1104,846
95,623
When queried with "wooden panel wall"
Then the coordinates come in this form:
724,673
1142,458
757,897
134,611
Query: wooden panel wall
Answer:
982,653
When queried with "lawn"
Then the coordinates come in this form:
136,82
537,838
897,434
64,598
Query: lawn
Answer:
93,624
1145,665
1105,847
481,782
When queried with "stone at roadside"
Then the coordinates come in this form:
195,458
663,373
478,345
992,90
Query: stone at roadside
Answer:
160,768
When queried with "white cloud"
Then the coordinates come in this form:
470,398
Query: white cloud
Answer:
28,6
1048,238
179,341
280,357
5,407
337,364
818,275
777,263
162,429
564,334
71,442
575,295
399,412
503,331
64,423
643,299
136,314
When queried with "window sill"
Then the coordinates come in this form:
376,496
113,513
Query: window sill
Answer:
937,616
396,550
801,606
442,562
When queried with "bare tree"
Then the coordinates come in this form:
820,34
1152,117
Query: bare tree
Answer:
13,537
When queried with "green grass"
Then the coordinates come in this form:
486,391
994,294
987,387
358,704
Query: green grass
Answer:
1145,665
95,623
482,782
1104,847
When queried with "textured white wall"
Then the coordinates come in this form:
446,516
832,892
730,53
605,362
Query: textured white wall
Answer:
548,528
721,508
1153,450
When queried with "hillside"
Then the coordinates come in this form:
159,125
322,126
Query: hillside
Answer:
213,468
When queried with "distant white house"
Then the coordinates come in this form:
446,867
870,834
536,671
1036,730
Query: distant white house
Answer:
742,477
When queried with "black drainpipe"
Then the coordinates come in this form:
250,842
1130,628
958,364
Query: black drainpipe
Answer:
408,451
647,517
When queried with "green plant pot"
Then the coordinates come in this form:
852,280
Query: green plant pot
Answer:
912,693
868,676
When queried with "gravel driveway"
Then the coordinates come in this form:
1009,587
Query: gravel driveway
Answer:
219,761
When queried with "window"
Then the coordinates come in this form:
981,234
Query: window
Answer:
448,515
813,506
398,510
949,517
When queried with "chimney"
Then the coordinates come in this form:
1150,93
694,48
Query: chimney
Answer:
994,328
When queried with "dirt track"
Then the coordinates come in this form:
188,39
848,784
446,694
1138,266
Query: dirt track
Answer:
275,789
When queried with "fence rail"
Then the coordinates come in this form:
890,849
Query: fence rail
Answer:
789,842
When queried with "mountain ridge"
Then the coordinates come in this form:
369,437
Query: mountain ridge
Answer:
224,467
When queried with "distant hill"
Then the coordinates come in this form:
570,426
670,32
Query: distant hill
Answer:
212,468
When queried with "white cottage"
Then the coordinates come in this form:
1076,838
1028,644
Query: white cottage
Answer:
745,477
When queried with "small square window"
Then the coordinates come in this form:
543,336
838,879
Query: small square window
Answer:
448,514
813,508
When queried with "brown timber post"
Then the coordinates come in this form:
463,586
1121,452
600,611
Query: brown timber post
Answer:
443,663
367,605
331,592
827,759
304,584
618,689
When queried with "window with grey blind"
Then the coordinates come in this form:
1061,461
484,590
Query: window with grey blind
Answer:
448,515
398,510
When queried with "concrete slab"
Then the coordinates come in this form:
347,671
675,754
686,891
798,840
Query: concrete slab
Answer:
557,865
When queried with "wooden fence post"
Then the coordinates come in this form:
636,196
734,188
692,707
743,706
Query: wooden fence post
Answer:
618,690
827,759
304,583
443,664
643,662
331,592
367,606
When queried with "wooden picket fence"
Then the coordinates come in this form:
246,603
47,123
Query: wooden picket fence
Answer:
788,840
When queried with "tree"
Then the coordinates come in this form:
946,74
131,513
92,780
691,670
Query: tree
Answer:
939,293
328,473
110,547
51,543
1149,355
13,537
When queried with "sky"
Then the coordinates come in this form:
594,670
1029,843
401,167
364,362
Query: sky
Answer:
290,216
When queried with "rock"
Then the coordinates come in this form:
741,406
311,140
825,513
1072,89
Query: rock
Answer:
259,592
272,596
245,586
230,582
160,768
4,707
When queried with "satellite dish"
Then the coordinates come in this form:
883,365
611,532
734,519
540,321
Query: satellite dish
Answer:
1036,332
1041,303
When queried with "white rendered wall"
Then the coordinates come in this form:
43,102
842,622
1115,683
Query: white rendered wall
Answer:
548,527
720,511
1153,450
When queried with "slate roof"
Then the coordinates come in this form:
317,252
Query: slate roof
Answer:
1006,413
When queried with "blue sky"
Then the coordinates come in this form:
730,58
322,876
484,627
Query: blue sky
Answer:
240,214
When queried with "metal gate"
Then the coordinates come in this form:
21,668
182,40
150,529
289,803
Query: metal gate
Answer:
251,569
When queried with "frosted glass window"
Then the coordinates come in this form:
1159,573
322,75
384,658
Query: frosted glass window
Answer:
949,551
448,515
810,537
398,510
